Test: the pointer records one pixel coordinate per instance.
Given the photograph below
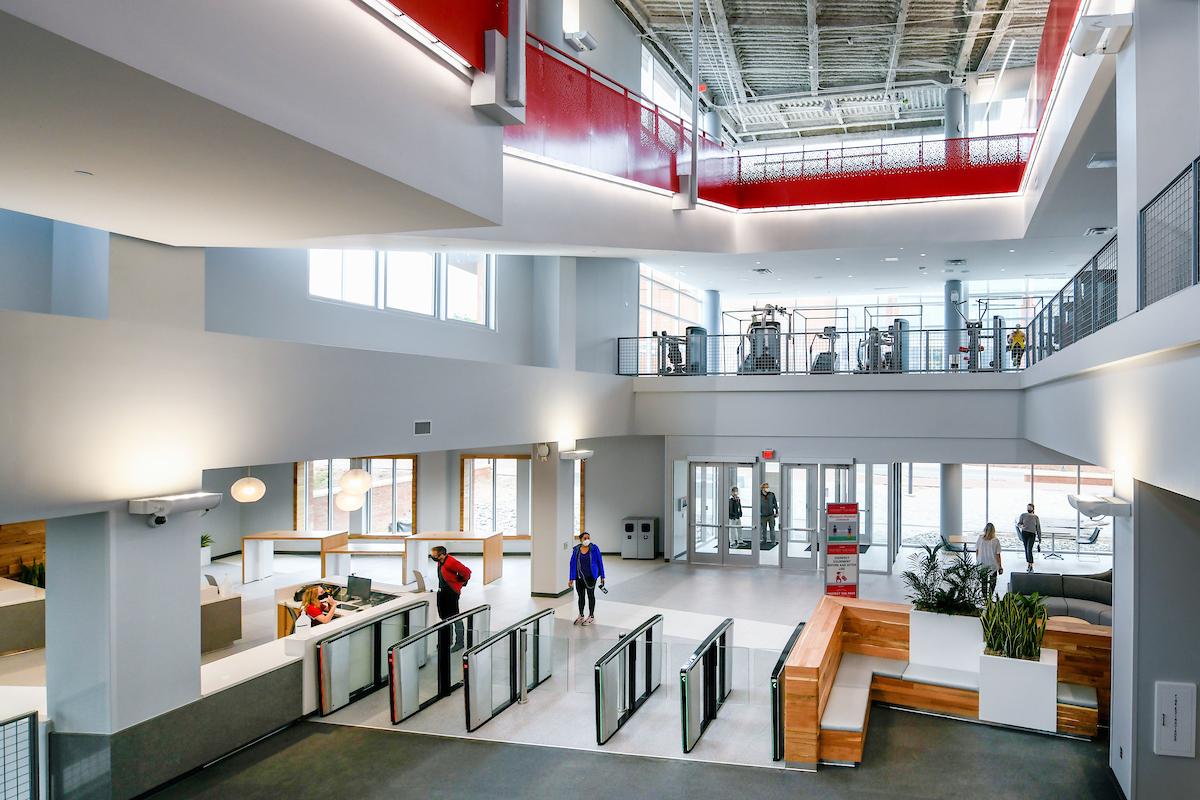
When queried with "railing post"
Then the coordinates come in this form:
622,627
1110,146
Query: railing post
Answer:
522,664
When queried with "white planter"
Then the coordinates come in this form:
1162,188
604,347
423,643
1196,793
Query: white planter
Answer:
944,640
206,555
1018,692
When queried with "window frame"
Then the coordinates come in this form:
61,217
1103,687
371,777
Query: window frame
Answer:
302,493
659,280
462,486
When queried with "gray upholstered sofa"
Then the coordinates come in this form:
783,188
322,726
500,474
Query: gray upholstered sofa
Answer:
1068,595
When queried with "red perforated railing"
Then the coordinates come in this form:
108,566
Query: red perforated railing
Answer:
581,117
459,25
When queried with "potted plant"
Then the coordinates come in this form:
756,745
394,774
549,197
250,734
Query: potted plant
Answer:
33,574
205,549
1018,679
947,592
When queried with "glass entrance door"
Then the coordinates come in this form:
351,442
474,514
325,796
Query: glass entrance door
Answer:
717,534
798,517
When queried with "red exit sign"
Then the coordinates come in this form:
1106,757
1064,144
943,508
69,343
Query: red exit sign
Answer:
768,454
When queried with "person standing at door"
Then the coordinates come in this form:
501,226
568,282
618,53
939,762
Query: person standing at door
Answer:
587,569
768,510
735,516
1030,528
452,577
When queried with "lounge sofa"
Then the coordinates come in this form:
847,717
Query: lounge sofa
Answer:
1085,598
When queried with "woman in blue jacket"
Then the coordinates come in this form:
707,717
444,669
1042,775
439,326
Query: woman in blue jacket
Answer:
587,569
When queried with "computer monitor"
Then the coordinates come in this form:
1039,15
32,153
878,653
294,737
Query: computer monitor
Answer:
359,587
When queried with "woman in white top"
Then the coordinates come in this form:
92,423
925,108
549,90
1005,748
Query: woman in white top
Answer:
987,554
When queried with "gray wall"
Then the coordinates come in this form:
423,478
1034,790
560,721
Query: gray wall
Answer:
79,284
606,309
26,244
619,53
231,520
156,283
264,293
623,479
1166,643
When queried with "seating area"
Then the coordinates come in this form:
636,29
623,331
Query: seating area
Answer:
1084,597
856,652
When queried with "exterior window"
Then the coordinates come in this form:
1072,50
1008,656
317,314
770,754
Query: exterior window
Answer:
578,499
390,505
467,287
411,282
665,304
495,494
347,275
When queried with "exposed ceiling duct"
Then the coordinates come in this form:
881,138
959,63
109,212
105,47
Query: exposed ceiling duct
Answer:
781,69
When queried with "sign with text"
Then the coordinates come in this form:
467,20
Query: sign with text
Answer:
841,549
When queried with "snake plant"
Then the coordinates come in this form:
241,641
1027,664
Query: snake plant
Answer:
1013,626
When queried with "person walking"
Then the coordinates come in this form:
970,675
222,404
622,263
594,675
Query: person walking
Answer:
768,510
1030,528
452,577
987,554
1016,345
587,569
735,516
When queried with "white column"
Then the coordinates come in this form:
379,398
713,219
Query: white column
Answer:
951,500
554,312
552,531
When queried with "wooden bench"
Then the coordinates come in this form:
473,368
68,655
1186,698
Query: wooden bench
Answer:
855,652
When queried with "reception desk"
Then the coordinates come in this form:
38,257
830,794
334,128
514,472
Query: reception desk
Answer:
491,542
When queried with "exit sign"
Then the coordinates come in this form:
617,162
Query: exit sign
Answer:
768,454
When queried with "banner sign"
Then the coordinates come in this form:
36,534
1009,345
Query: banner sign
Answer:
841,549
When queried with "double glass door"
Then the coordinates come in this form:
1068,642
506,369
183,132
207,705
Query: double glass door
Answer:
722,529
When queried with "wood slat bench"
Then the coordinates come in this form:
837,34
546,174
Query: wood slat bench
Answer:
855,652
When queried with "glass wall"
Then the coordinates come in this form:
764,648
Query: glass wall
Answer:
921,505
665,304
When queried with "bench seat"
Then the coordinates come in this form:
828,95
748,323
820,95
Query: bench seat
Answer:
1074,694
856,670
846,709
941,676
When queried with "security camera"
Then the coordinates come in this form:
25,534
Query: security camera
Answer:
156,509
155,521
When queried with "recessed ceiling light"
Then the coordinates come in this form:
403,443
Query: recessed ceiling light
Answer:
1002,269
922,255
1012,251
891,259
837,259
757,262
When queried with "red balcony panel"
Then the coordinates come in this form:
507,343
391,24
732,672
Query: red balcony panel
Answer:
1060,19
460,25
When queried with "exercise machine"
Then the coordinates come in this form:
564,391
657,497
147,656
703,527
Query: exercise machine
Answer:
759,350
826,362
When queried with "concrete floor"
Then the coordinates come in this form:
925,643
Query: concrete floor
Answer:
907,756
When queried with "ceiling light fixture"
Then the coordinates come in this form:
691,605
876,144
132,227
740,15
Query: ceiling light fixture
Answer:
247,489
349,502
355,481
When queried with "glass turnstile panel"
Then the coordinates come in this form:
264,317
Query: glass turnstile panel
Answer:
503,666
427,665
626,675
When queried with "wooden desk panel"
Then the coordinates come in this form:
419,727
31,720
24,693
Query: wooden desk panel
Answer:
493,548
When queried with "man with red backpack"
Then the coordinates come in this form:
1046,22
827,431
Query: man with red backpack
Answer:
452,577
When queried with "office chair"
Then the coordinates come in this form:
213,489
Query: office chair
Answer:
213,581
420,582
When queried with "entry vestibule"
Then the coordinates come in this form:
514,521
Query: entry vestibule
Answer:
717,534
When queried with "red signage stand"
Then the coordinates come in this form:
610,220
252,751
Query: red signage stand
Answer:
841,549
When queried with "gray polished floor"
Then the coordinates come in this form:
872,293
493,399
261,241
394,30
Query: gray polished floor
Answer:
907,756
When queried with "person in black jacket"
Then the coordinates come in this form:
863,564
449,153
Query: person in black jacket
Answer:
735,516
768,510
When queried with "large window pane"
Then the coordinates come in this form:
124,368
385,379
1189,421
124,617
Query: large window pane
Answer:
405,495
358,277
318,495
325,273
1060,522
410,282
1009,490
341,519
505,514
1097,481
466,287
481,494
974,500
665,300
381,496
921,509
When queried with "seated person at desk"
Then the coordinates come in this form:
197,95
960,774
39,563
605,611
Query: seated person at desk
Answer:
318,605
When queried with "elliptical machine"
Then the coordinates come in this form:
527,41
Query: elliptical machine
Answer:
759,349
826,362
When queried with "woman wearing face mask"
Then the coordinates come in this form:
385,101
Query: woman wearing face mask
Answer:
587,568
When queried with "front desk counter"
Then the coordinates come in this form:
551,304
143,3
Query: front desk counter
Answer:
288,608
22,617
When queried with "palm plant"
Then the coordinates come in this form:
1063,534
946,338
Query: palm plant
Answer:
205,540
1014,625
946,585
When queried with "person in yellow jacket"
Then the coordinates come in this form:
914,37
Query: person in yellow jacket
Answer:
1016,345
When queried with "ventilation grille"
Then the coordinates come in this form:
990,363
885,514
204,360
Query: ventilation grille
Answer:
422,428
762,271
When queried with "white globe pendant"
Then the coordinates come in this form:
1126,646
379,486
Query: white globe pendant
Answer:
349,502
248,490
356,481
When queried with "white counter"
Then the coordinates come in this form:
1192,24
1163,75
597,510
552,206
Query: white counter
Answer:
244,666
13,592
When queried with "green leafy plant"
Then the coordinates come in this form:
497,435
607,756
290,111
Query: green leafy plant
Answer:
33,574
1014,625
946,584
205,540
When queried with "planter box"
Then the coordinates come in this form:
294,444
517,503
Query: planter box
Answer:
206,555
1016,692
943,640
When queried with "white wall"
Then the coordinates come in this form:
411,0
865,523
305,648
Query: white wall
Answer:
231,520
79,284
623,479
264,293
606,310
619,54
26,243
155,283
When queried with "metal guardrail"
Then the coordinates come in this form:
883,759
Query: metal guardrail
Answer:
983,349
1085,305
705,680
412,686
777,729
627,675
520,646
19,765
353,663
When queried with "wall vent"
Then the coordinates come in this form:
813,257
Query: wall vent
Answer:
1098,231
422,428
762,271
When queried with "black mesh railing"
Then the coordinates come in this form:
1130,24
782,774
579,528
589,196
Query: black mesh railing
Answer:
1166,233
1085,305
19,758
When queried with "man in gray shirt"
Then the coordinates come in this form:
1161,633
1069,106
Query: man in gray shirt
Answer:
1030,528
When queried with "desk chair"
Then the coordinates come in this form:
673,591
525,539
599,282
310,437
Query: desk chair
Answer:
420,582
213,581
